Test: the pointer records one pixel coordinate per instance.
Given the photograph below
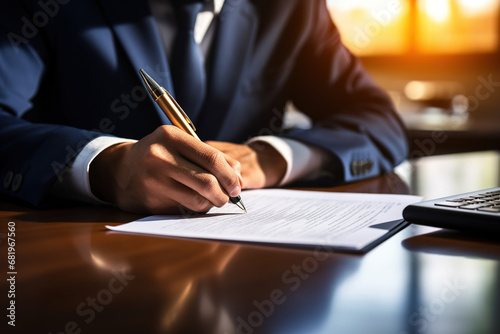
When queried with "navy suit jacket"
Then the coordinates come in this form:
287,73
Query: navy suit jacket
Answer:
69,73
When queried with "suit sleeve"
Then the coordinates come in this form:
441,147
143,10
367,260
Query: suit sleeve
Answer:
353,118
33,155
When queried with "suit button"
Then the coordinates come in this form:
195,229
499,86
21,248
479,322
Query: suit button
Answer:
360,167
8,179
369,165
356,167
16,182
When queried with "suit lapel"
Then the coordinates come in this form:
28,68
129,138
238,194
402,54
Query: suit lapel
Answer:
135,28
236,30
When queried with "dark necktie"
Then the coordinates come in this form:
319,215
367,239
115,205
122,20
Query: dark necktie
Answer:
188,71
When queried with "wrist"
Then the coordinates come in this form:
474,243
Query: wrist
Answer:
271,162
104,170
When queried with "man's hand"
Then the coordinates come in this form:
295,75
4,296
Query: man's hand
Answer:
261,165
164,171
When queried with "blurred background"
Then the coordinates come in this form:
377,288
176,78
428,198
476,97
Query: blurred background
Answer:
440,62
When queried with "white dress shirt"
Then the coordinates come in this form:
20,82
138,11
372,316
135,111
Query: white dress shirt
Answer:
303,161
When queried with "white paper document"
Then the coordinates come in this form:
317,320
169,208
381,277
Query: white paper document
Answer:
309,218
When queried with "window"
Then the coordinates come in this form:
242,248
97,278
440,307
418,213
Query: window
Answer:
400,27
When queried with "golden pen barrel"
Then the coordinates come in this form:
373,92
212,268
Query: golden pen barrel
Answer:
175,114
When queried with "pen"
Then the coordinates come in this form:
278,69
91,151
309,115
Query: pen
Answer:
176,115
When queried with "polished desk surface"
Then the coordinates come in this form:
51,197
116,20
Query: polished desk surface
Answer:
75,276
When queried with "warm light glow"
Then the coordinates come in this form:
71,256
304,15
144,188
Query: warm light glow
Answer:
437,10
98,261
415,90
457,26
374,8
172,314
475,7
372,27
382,27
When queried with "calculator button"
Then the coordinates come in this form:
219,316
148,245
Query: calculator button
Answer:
457,200
493,210
449,204
474,206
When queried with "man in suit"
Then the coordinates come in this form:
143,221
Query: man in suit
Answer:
76,122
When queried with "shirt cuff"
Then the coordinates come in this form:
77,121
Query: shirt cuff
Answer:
303,161
75,182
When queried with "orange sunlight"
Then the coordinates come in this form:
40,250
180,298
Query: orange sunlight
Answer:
382,27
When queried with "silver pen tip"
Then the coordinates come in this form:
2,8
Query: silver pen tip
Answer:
241,206
239,203
151,85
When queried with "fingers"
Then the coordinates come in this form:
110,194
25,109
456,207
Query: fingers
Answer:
180,197
174,169
228,149
169,197
163,171
214,162
208,159
200,181
236,166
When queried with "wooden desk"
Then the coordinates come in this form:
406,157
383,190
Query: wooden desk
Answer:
74,276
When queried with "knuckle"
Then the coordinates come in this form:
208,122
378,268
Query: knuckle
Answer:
167,131
219,202
151,152
214,157
236,165
155,154
201,204
210,184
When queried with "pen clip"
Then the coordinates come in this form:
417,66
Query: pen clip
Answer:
186,117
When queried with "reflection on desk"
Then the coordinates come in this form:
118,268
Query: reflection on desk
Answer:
73,276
